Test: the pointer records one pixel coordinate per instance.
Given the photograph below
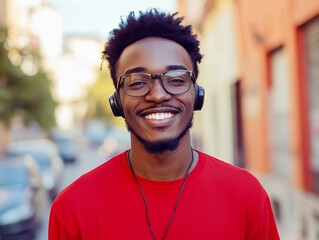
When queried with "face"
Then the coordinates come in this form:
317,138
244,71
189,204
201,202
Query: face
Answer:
159,119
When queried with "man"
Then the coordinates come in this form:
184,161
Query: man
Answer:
161,188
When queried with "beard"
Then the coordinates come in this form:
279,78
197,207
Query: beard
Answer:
162,145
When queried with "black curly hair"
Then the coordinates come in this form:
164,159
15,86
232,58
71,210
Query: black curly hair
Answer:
151,23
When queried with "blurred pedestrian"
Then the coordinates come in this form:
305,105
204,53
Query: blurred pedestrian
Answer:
161,188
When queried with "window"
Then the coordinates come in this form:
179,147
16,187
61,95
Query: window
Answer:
279,115
311,40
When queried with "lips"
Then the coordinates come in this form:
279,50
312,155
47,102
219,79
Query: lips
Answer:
161,113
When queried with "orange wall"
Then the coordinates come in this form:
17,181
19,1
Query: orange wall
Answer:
262,27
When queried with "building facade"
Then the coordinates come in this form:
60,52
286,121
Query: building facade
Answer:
261,75
219,71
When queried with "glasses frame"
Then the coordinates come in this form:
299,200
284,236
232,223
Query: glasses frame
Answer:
152,77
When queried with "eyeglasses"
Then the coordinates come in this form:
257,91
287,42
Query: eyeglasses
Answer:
140,84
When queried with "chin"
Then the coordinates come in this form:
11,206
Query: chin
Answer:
159,146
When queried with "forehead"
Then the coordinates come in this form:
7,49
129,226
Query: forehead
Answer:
153,54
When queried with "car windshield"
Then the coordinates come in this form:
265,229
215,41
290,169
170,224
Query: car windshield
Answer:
13,176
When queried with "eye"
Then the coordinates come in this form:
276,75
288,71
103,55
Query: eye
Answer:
136,81
176,78
176,81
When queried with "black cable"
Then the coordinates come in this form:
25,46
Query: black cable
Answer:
145,200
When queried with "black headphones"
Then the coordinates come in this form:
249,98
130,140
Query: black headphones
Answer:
116,106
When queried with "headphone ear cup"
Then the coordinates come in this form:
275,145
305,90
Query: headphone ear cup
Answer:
115,104
199,97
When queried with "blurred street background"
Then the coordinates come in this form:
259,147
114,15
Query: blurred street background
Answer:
260,72
88,158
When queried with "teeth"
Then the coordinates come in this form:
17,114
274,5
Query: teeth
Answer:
159,116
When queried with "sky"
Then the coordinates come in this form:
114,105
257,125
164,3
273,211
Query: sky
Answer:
99,17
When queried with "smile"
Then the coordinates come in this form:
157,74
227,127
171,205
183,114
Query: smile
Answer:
159,116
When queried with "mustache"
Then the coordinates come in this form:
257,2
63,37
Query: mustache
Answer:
159,106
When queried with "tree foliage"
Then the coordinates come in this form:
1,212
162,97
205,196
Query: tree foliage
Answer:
97,98
28,95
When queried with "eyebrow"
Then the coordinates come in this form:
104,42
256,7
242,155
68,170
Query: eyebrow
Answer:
143,69
135,70
175,67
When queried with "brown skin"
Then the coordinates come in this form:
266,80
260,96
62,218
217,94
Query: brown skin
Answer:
158,55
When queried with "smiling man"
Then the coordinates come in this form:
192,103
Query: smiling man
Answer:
161,188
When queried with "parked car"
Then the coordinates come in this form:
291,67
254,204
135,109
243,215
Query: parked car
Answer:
46,154
22,198
66,145
95,131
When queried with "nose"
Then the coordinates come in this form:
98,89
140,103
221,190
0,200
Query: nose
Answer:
158,93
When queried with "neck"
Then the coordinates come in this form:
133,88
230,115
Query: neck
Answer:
163,166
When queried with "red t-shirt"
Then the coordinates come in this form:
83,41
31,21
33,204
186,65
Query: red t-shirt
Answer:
220,201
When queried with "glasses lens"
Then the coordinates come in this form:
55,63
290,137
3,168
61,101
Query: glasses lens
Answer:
177,82
137,84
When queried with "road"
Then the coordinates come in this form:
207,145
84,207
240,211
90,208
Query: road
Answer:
87,160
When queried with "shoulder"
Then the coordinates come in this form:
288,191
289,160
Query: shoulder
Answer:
100,178
234,186
87,194
230,175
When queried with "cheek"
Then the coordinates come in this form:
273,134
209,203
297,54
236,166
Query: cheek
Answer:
129,105
190,100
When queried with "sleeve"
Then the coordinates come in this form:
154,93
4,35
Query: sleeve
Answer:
262,226
58,230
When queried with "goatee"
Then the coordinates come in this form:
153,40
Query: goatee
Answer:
162,145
